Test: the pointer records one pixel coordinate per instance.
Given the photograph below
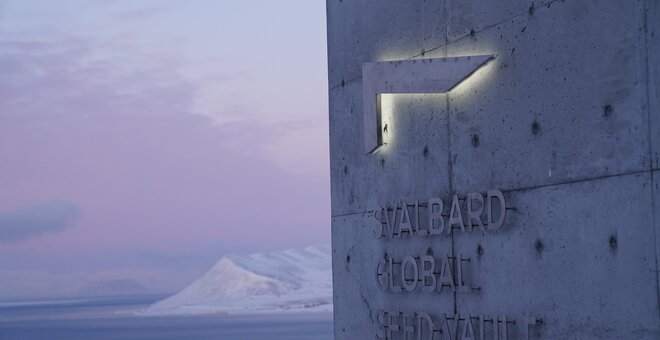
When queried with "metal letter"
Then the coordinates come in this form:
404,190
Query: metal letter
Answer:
526,322
446,277
428,273
393,288
496,328
455,215
396,232
472,213
461,286
453,335
436,216
468,329
503,322
381,324
424,316
408,329
391,325
418,226
494,225
380,234
409,260
379,274
389,222
405,223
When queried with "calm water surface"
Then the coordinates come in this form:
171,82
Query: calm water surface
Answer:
113,318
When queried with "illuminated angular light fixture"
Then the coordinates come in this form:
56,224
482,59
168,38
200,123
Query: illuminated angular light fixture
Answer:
434,75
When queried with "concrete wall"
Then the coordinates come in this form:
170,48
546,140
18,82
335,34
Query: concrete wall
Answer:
565,121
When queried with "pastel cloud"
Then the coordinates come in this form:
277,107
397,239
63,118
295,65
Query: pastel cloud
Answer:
36,220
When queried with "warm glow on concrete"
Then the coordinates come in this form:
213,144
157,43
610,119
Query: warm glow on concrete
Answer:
436,75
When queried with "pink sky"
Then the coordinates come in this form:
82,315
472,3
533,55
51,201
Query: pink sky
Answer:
145,139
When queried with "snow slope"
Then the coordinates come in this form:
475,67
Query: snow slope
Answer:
287,281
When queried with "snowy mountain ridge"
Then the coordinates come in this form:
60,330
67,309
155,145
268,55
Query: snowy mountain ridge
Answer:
289,281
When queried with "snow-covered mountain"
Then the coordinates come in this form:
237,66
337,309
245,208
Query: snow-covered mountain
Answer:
291,280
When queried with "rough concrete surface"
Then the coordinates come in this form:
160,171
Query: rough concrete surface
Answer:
565,122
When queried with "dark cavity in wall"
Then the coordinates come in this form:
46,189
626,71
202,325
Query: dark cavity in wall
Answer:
536,128
607,111
475,140
538,245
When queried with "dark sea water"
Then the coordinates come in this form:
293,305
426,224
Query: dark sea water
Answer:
114,318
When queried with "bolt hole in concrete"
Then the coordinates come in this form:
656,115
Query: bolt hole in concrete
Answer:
607,111
480,250
538,245
426,151
536,128
475,140
348,258
613,242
